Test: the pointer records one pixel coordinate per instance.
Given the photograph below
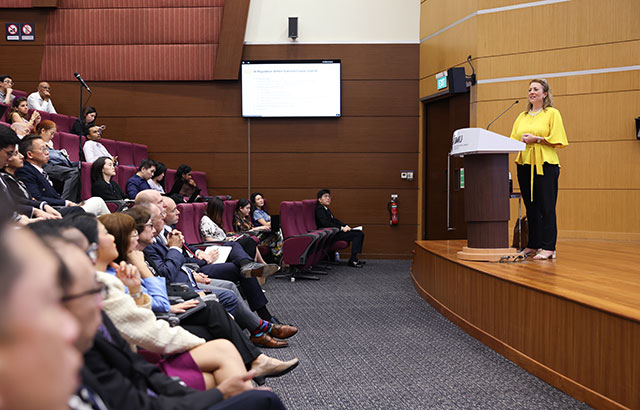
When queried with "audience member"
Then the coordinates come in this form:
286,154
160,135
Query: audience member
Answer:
325,219
210,230
102,183
157,180
20,113
37,181
21,129
87,120
260,217
8,141
138,181
6,90
41,99
93,148
60,168
184,188
37,335
242,219
17,191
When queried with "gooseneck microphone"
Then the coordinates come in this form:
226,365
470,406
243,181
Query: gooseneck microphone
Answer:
76,75
503,112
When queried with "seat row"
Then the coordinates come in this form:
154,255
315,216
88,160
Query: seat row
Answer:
124,172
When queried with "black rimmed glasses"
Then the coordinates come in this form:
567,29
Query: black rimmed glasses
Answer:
102,289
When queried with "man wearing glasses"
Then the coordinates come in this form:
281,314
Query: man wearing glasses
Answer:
41,99
38,183
6,89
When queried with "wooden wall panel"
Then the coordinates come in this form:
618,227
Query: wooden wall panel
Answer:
563,26
210,134
371,62
346,134
448,49
234,24
352,170
385,98
438,14
188,100
223,170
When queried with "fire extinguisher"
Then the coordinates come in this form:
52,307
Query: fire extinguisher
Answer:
392,206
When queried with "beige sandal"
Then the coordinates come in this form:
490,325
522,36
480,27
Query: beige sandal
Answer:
544,255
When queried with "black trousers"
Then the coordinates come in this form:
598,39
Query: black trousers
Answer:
213,322
541,211
355,237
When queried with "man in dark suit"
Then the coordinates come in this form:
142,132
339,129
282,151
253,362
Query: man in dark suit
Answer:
40,187
116,378
325,219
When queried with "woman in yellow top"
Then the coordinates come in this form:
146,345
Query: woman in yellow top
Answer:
540,127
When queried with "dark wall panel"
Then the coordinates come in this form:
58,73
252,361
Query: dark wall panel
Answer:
349,170
346,134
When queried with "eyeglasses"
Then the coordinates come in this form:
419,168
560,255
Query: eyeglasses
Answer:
102,289
92,252
44,149
134,234
8,81
10,154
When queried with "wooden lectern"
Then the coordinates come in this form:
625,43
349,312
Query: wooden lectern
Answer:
486,197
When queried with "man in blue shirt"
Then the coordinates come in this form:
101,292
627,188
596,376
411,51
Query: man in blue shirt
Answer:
138,182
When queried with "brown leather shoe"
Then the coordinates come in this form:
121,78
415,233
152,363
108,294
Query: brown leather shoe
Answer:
283,331
267,341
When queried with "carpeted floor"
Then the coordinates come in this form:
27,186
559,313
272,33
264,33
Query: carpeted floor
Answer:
368,341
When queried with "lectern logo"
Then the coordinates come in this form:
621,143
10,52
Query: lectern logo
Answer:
457,139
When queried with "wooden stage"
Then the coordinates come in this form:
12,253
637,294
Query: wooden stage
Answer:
573,322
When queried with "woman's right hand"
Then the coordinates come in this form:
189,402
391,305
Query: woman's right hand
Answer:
129,275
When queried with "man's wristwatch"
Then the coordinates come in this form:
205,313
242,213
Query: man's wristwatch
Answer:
136,295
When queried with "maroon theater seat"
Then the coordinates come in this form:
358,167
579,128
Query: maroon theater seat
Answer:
298,247
56,141
199,209
200,178
111,146
186,224
124,151
140,152
85,181
4,109
169,178
227,215
43,114
18,93
70,142
63,122
123,173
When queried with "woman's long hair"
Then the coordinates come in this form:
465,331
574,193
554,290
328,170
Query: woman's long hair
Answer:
14,109
120,226
215,209
96,169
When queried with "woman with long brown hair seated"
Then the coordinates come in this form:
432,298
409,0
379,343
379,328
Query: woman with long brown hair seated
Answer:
20,113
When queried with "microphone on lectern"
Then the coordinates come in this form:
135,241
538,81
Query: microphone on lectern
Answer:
503,112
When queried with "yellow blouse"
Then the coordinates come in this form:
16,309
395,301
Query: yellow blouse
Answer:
546,124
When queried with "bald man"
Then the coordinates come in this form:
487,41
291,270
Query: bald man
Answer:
41,99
